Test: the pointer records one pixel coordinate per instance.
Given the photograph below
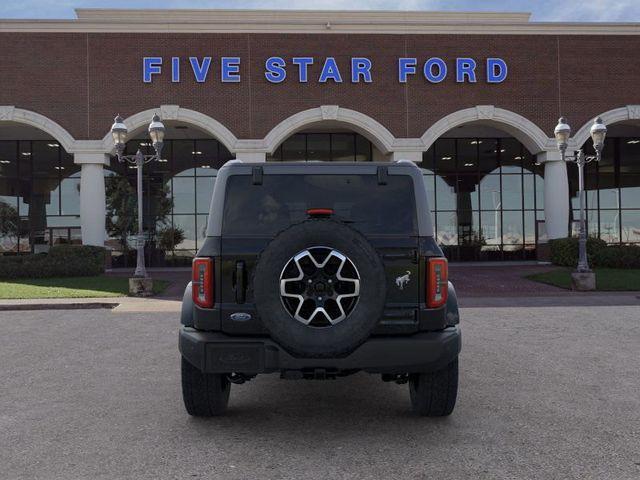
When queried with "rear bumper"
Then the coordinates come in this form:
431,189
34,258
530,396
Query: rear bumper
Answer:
213,352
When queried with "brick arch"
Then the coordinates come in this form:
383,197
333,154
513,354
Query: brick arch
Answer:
373,130
521,128
183,115
9,113
629,112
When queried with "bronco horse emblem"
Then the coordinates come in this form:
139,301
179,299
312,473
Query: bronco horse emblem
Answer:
403,280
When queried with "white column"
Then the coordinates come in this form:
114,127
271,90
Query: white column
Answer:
92,197
406,155
251,156
556,194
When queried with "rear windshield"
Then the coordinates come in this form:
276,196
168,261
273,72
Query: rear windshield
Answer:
281,200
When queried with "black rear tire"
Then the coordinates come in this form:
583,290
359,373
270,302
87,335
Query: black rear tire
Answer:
204,394
434,394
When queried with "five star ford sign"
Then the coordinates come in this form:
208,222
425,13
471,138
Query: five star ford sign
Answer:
361,69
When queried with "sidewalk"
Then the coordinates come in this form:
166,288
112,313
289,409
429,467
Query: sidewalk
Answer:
477,286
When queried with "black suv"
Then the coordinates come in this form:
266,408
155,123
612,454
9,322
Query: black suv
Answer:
320,270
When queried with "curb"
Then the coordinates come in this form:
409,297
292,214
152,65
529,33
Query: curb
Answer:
57,306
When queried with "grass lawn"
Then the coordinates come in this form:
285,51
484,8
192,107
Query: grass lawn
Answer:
72,287
607,279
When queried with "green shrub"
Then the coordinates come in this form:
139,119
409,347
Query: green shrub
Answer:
61,261
564,251
618,256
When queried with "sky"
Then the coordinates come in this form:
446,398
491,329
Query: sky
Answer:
542,10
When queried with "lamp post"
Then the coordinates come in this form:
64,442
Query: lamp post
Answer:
598,133
156,132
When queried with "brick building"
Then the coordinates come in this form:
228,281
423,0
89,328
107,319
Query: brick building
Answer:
472,97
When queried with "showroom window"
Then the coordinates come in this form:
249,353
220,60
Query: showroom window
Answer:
486,196
612,192
39,196
177,193
327,147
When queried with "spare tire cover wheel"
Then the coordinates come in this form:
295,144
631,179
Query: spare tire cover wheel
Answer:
319,288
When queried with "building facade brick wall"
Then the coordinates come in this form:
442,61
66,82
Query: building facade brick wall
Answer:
81,80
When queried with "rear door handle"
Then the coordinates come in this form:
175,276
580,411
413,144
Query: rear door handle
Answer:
240,282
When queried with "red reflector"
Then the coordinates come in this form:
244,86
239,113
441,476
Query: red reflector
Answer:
437,282
202,282
320,212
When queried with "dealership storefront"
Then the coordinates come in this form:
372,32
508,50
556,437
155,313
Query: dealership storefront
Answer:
472,99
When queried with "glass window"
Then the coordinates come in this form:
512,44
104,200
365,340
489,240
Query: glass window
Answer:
8,159
343,147
318,146
445,156
445,195
427,159
629,155
429,182
183,155
490,198
204,192
467,192
630,226
183,195
529,191
294,148
276,156
188,225
467,154
447,228
512,227
70,196
610,225
282,200
529,227
511,192
45,156
363,149
488,155
511,155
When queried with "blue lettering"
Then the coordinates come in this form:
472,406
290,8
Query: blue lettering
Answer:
496,70
428,70
151,66
200,71
330,71
275,69
465,67
230,69
303,67
175,69
360,67
406,66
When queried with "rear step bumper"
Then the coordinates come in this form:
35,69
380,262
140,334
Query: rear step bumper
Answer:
213,352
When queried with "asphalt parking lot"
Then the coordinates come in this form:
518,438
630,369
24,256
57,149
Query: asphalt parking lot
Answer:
548,392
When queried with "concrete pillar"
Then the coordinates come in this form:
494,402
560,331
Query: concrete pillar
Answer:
92,197
251,157
406,155
556,194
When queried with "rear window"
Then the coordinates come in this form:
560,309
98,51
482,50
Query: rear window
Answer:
281,200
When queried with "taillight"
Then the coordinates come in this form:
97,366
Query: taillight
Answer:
437,282
202,282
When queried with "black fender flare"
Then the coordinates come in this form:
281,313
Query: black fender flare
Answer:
451,310
186,312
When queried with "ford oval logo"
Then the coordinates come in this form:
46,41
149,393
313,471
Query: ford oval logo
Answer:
240,317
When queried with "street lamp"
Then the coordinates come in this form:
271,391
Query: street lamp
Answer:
119,133
598,133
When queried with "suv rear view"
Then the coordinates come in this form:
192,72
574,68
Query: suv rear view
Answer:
319,271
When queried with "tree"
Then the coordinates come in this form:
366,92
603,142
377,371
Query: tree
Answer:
122,209
9,221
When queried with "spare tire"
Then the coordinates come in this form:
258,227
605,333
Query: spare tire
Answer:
319,288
